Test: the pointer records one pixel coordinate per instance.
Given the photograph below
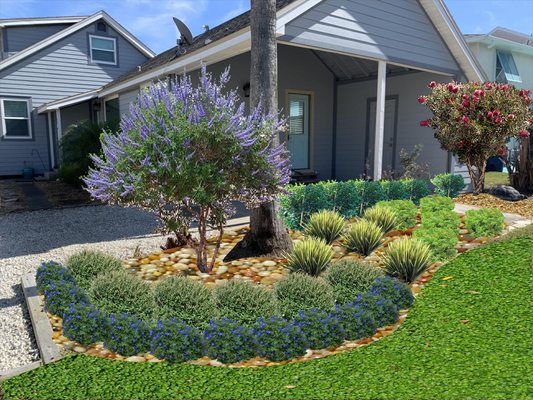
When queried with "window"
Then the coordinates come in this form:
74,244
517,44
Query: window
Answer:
297,106
16,122
103,49
506,70
112,111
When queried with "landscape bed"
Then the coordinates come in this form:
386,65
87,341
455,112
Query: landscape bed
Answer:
450,346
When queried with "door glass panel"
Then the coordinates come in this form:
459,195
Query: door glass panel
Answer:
299,119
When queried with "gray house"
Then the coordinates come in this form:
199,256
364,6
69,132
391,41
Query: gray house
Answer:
350,72
43,60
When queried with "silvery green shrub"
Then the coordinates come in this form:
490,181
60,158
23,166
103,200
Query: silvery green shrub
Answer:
186,152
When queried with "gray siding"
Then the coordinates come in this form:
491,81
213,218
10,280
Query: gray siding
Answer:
352,121
17,38
124,100
57,71
394,30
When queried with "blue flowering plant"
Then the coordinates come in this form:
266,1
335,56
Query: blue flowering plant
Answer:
186,152
394,290
50,272
383,310
127,335
228,341
278,339
175,341
356,321
85,324
60,294
321,329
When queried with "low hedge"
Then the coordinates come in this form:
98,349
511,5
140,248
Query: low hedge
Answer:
223,339
348,198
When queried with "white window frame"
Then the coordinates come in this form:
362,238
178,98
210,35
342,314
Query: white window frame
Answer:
3,118
114,51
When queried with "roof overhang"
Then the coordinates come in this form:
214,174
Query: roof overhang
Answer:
68,101
72,29
240,42
492,41
4,23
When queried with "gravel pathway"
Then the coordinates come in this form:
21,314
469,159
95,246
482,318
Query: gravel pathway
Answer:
27,239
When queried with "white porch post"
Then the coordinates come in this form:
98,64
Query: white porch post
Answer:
58,125
51,138
380,120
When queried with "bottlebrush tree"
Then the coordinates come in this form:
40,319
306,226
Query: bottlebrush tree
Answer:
474,121
185,153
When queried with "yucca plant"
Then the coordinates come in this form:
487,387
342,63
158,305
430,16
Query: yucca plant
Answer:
363,237
406,259
311,256
325,224
382,217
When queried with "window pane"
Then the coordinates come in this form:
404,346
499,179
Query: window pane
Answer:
296,117
104,44
17,127
509,66
13,108
112,113
101,55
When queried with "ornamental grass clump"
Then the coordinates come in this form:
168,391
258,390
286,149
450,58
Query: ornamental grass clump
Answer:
118,292
363,237
296,292
244,301
311,256
183,299
406,259
327,225
88,264
278,339
484,222
348,278
404,210
185,152
436,203
382,217
175,341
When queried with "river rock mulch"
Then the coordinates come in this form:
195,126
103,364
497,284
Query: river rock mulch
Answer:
261,270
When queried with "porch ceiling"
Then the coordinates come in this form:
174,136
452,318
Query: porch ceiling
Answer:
346,68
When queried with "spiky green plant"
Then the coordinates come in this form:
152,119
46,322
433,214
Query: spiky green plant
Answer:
325,224
406,259
363,237
311,256
382,217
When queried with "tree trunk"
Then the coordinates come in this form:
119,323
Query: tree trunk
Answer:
268,235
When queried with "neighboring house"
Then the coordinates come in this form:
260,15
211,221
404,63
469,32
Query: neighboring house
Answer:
350,73
43,60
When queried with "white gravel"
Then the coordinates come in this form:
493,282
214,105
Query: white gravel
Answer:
27,239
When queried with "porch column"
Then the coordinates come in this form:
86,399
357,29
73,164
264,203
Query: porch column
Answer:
51,138
58,125
380,120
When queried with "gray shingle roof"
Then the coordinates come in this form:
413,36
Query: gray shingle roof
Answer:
212,35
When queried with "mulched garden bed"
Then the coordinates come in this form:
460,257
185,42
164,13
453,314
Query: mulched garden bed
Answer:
521,207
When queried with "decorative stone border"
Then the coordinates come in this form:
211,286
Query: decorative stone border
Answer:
42,328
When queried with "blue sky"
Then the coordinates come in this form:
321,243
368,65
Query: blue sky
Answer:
151,20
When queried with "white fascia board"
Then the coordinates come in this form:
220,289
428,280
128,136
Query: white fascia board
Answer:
70,30
39,21
235,44
448,29
292,12
68,101
501,43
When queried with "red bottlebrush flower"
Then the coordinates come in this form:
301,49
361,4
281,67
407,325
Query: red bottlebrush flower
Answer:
502,151
421,99
450,87
432,84
465,120
490,114
424,122
466,103
524,134
510,116
475,99
522,92
496,113
497,120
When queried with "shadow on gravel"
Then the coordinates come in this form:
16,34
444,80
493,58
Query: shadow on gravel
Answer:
40,231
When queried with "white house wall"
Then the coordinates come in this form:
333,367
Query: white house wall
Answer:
352,119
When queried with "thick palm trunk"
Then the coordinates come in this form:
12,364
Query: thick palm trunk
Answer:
268,235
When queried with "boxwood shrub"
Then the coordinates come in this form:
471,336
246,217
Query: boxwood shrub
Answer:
441,241
484,222
405,211
436,203
445,219
448,184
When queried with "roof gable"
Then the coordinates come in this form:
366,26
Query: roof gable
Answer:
72,29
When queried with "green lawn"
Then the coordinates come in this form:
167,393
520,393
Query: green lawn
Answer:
468,336
496,178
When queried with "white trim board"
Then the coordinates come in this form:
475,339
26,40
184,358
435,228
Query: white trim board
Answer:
40,21
72,29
